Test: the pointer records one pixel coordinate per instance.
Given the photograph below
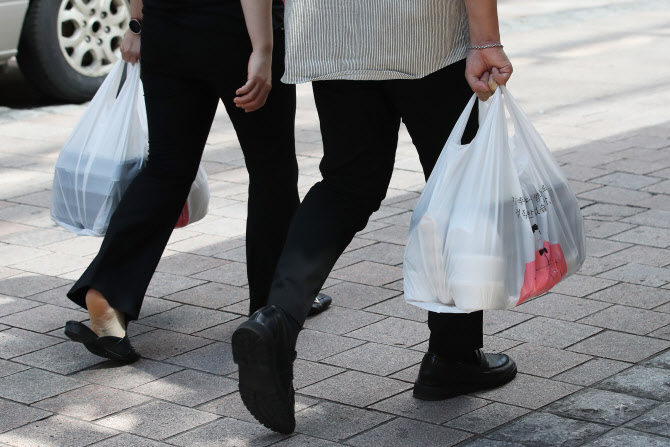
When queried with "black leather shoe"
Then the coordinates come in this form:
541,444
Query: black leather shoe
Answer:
113,348
441,377
321,303
261,349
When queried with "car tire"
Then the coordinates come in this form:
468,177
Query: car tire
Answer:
42,61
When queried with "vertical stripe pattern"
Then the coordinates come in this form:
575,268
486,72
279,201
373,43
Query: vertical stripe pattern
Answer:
372,39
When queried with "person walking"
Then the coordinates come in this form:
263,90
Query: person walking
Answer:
195,53
373,63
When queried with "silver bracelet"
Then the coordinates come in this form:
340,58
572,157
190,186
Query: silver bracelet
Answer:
481,47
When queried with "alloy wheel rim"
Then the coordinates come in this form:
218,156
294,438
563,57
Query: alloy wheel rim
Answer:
90,34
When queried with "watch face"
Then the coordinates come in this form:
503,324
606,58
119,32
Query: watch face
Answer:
135,26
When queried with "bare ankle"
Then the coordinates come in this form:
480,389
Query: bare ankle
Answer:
105,320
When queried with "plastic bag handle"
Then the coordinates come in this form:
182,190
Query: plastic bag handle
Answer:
459,128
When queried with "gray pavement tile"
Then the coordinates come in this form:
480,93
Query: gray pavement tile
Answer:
307,373
57,430
550,332
239,309
187,319
212,295
15,415
382,253
356,388
305,441
487,418
163,284
628,319
640,254
10,305
656,421
592,371
125,440
337,422
33,384
37,238
543,361
358,296
658,201
396,285
340,320
64,358
593,266
619,196
562,307
626,180
228,432
315,346
603,407
80,246
579,187
407,375
187,264
231,405
370,273
620,346
649,383
393,331
57,297
15,342
407,432
395,234
544,429
581,172
91,402
23,213
222,332
663,333
374,358
161,344
357,243
633,295
486,442
233,273
27,284
529,392
652,236
152,306
604,229
498,320
206,245
398,307
216,358
188,387
125,377
660,361
496,345
7,368
609,211
580,285
603,247
629,438
652,218
43,318
238,254
157,420
53,264
435,412
632,166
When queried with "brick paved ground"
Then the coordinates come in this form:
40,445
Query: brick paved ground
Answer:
593,355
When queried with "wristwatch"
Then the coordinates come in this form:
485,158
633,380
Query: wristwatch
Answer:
135,26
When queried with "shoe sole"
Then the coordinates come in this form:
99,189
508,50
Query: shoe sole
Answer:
425,392
75,333
260,387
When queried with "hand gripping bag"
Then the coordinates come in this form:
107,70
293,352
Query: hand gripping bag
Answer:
104,153
497,222
197,203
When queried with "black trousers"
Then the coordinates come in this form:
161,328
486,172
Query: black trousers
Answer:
360,121
182,93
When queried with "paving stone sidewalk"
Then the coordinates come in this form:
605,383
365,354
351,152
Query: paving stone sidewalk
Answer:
593,354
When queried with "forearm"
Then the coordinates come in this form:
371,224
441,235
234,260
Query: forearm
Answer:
258,16
483,21
136,9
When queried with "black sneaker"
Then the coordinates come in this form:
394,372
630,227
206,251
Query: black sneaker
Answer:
442,377
261,349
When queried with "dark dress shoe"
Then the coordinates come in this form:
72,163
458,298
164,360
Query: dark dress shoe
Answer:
443,377
261,349
321,303
113,348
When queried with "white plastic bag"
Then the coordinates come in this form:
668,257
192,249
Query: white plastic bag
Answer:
497,222
104,153
197,203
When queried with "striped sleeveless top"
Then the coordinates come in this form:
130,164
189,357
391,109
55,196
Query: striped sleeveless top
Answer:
372,39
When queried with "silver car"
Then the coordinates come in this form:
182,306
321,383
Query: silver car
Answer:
64,47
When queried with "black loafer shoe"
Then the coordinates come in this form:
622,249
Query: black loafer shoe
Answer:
261,349
441,377
113,348
321,303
